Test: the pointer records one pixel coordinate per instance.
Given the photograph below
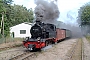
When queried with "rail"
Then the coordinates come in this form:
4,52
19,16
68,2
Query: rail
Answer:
24,56
76,52
82,50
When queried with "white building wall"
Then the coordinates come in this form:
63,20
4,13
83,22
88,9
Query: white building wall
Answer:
16,29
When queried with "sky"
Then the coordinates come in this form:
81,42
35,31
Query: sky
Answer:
68,8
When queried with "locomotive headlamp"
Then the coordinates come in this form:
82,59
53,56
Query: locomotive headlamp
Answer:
38,38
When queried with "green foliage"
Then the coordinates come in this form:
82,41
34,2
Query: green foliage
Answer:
20,14
84,15
14,15
2,8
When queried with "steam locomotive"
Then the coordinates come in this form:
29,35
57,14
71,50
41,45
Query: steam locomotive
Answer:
44,34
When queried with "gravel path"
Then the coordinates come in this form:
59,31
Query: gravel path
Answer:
57,52
86,49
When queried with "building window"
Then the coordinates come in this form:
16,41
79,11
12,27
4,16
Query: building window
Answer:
22,31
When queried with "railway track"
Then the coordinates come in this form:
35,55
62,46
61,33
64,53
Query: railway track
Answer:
24,56
76,52
82,50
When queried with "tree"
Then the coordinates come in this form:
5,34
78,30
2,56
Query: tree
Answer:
20,14
4,8
13,15
84,15
84,18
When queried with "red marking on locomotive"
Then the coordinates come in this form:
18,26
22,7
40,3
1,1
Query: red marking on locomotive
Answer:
37,44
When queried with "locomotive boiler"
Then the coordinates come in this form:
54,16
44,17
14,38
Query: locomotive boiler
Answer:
42,30
44,34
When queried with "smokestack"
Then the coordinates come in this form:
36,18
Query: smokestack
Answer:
46,12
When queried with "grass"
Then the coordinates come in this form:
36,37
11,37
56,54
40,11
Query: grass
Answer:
88,38
9,39
9,43
13,39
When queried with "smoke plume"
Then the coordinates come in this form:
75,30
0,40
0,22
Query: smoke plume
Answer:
48,12
45,11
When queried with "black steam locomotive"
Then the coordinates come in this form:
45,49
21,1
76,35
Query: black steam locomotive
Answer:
44,34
